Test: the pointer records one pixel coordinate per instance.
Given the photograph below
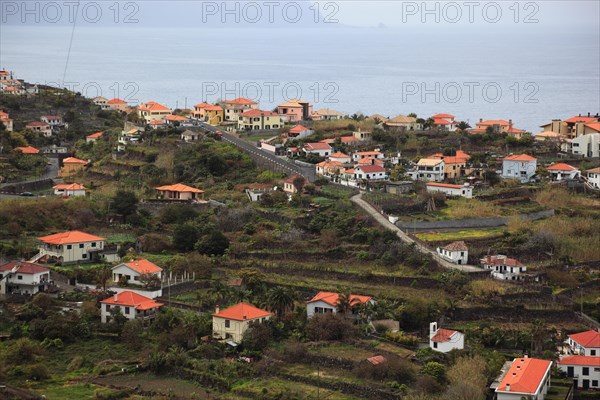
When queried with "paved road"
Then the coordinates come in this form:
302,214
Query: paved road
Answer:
50,172
357,199
307,172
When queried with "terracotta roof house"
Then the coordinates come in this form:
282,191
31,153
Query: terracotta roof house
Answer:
152,110
132,270
70,247
585,343
519,166
328,168
233,108
327,302
289,186
455,252
295,110
321,149
341,157
327,114
129,304
28,150
93,137
43,128
526,377
116,105
26,278
180,192
445,340
403,122
562,171
255,119
69,189
497,126
299,131
231,323
71,166
503,267
583,370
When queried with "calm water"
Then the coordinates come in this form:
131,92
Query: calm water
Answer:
542,75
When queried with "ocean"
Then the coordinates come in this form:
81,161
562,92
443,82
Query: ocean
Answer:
528,76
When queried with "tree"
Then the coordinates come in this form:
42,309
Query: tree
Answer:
329,326
215,243
281,300
468,380
185,237
435,370
150,280
258,336
124,203
299,183
463,126
344,303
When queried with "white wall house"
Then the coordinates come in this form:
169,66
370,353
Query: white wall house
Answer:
526,378
593,177
585,343
132,271
445,340
370,173
23,278
341,157
69,190
519,166
562,171
70,247
318,148
231,323
504,268
129,304
450,190
366,154
327,302
428,169
455,252
587,146
584,370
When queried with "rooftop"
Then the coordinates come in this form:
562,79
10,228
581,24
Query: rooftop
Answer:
142,266
242,312
23,267
332,298
70,237
525,376
131,299
589,338
179,187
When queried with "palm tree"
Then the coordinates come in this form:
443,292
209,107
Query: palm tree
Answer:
365,312
281,300
344,303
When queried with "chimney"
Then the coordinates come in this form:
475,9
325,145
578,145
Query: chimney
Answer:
244,317
116,297
518,367
508,387
510,123
217,309
480,119
514,374
588,114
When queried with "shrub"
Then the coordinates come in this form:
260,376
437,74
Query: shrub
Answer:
37,372
329,327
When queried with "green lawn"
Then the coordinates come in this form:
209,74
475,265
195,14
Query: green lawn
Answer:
461,235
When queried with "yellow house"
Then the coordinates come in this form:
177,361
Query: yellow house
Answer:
71,166
232,322
208,113
153,111
259,120
233,108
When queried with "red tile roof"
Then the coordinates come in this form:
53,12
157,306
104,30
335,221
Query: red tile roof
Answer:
525,375
442,121
258,113
376,360
131,299
69,186
73,160
242,312
70,237
298,129
239,100
24,267
339,155
179,187
211,107
27,150
561,167
495,260
317,146
500,122
581,119
587,339
153,106
37,123
369,169
333,298
445,185
143,266
581,360
443,335
202,105
330,164
520,157
595,126
175,118
456,246
95,135
116,101
369,153
450,116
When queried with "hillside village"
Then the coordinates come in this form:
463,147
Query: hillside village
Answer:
231,252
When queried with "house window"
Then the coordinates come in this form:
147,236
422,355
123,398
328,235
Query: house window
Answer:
227,323
69,247
81,245
93,244
136,278
20,277
435,345
84,256
594,383
126,310
107,307
592,352
585,371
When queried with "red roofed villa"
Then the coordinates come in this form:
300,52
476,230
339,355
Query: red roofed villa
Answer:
519,166
562,171
131,305
23,278
526,378
70,247
93,137
71,166
132,270
28,150
180,192
328,302
585,343
445,340
231,323
583,370
69,189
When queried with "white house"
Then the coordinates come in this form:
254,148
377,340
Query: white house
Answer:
519,166
455,252
93,137
526,378
69,189
587,146
444,340
131,305
23,278
562,171
504,268
327,302
289,186
341,157
70,247
593,177
232,322
584,370
451,190
365,154
190,136
55,121
180,192
585,343
328,168
132,271
429,169
318,148
370,173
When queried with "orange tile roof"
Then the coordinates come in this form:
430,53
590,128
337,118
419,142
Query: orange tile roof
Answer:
580,360
369,153
330,164
95,135
258,113
587,339
211,107
298,129
27,150
242,312
73,160
495,260
143,266
520,157
443,116
446,185
70,237
500,122
376,360
201,105
24,267
156,122
442,121
595,126
443,335
369,160
239,100
514,130
581,119
594,170
455,160
131,299
349,171
175,118
456,246
37,123
153,106
116,101
561,167
525,375
339,155
179,187
69,186
369,169
332,298
317,146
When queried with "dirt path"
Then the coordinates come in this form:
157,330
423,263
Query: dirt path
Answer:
357,199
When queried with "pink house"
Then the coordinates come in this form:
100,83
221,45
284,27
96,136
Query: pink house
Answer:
295,110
